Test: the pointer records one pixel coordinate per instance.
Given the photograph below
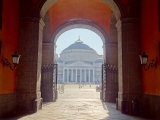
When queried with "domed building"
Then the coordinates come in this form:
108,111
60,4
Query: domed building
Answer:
79,64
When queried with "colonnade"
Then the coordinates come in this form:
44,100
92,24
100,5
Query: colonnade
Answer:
78,75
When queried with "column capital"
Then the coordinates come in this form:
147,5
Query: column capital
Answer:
126,21
33,19
48,44
111,44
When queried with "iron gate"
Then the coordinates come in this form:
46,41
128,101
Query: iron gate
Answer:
49,82
104,74
109,83
55,68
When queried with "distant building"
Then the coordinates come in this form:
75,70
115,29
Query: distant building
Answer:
79,63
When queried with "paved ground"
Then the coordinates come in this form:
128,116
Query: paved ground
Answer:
78,104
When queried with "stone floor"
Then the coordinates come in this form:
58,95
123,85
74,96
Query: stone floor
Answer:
78,104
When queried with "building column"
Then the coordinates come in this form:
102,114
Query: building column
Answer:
29,85
67,75
89,75
63,75
129,69
80,75
76,76
84,75
93,76
72,74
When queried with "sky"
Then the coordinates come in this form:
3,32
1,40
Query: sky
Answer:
87,36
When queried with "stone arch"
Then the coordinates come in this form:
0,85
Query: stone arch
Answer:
80,24
128,28
116,6
129,74
71,25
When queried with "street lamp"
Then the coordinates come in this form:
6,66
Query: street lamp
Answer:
144,59
15,61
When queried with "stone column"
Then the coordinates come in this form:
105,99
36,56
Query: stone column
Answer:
80,75
29,69
89,75
48,53
67,75
84,75
76,76
129,68
63,74
72,74
111,46
93,76
49,48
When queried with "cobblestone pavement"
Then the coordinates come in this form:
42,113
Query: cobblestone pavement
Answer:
78,104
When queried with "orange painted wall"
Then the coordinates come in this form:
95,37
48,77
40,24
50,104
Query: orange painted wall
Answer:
9,37
150,39
66,10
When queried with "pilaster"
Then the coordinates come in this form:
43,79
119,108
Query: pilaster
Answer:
129,71
29,70
48,49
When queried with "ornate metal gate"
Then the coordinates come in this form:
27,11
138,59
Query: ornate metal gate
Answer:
109,83
49,82
55,68
104,74
112,83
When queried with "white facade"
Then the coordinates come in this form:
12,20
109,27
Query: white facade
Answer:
79,63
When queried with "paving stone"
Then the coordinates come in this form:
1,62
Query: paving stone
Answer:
78,104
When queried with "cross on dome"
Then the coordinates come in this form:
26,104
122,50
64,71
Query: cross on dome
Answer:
79,40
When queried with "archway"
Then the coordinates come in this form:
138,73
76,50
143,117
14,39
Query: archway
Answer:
111,47
116,6
128,41
70,25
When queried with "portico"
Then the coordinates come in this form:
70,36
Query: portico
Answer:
78,75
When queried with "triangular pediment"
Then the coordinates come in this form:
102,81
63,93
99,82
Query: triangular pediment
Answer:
79,63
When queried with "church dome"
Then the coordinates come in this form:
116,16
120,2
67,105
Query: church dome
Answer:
99,60
79,45
59,60
78,51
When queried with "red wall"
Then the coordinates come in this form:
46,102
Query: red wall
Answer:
9,37
95,11
125,3
150,39
66,10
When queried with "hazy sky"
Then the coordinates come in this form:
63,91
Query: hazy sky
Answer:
87,36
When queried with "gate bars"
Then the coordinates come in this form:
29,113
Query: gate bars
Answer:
49,82
109,83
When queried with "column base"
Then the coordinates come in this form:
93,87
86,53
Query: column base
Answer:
28,106
125,104
38,104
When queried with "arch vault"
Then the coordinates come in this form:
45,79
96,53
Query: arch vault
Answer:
30,44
